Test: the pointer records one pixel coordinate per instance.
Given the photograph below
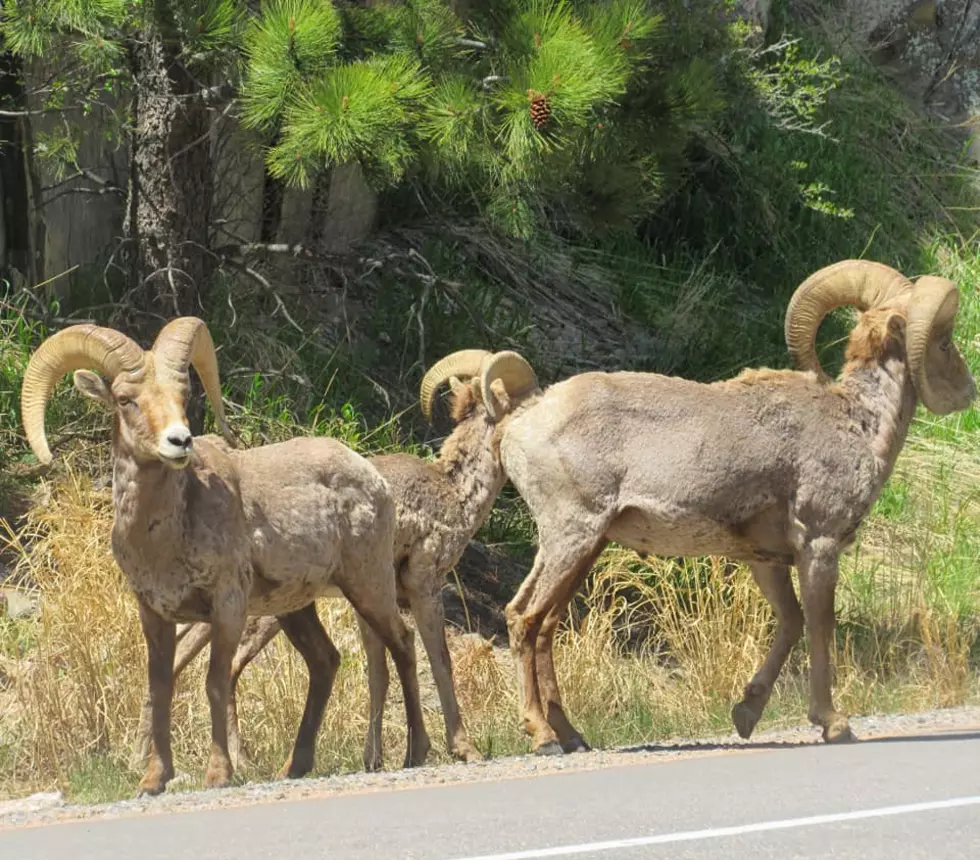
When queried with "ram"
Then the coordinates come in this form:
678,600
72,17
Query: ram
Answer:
439,506
204,532
771,468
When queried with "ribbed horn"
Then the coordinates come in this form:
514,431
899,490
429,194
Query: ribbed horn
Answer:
513,370
945,385
186,342
862,283
465,364
78,347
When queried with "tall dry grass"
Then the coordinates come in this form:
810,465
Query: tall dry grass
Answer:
651,649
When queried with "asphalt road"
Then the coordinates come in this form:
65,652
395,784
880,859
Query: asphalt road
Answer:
887,799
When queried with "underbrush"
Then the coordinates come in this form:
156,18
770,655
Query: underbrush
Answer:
651,649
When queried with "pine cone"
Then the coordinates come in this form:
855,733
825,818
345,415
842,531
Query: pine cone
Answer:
540,110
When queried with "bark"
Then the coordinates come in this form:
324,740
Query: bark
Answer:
272,196
174,180
15,240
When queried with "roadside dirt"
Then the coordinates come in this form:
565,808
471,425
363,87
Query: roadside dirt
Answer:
40,810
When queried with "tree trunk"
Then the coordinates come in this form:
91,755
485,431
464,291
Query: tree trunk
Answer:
272,197
15,216
174,180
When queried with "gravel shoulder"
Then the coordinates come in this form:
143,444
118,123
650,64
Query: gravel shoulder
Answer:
40,810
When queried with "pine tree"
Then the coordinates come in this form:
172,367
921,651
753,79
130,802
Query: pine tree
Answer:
534,110
152,62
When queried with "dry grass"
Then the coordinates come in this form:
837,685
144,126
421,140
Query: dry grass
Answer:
651,649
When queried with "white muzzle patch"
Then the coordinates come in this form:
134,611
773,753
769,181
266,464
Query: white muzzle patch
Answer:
176,444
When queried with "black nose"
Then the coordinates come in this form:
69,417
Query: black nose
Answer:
180,440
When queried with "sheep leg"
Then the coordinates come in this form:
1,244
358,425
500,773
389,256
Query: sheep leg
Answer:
381,613
306,633
818,567
555,571
429,614
377,668
777,587
160,636
191,639
570,739
258,633
227,623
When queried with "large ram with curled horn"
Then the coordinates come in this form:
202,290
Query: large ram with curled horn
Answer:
439,506
772,468
204,532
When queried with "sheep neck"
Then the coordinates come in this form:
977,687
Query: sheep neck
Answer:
148,499
884,401
470,462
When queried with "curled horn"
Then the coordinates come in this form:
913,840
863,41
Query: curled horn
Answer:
513,370
78,347
465,363
851,282
186,342
932,311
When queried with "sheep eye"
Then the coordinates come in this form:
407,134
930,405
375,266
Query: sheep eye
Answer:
124,401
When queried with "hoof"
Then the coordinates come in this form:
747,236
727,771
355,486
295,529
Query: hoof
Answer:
217,778
745,720
295,769
154,781
151,786
549,748
576,745
838,732
466,752
417,755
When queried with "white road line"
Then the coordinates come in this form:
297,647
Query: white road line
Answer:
738,830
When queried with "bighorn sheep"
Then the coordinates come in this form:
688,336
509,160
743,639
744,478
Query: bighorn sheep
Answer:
771,468
207,533
439,506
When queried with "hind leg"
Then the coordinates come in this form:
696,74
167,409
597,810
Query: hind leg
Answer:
375,602
777,587
569,738
554,577
427,609
306,633
377,668
258,633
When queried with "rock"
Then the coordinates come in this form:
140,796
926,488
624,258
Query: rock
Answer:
16,603
923,15
34,803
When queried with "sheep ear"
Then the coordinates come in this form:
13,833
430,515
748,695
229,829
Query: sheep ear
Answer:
94,387
455,385
498,392
896,327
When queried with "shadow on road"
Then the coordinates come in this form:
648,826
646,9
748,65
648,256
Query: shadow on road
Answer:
970,735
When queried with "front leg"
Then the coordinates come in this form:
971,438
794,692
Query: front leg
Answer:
190,641
160,638
818,568
227,623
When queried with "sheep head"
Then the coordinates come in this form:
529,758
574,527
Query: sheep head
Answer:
146,390
895,311
499,380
